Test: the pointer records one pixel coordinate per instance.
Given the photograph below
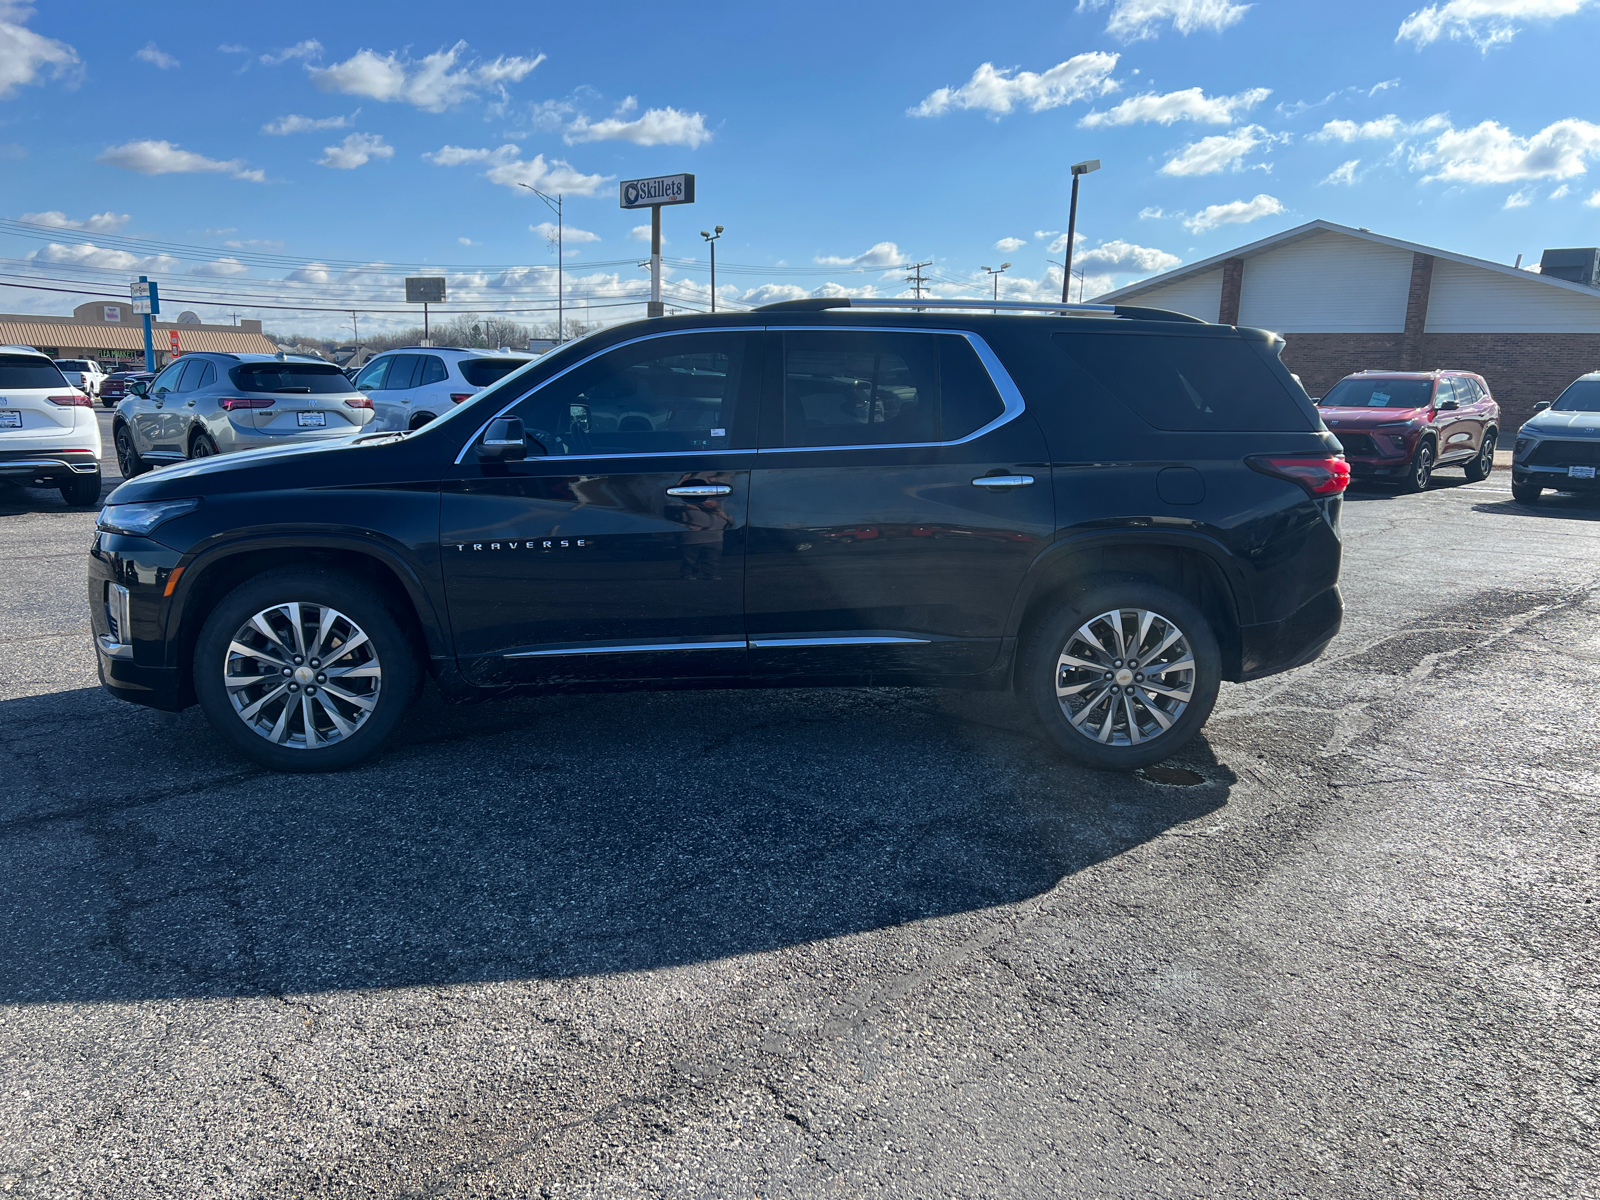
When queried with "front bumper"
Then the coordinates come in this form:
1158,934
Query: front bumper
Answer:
1555,478
1277,646
129,593
47,468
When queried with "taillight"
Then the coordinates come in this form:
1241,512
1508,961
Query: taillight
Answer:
458,397
360,402
1322,475
76,400
235,403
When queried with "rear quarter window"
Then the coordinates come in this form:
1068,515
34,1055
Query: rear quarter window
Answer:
21,371
302,378
481,372
1190,384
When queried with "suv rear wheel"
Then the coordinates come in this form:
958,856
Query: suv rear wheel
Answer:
304,670
1122,675
81,490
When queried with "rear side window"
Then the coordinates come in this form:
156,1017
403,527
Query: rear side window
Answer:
433,370
402,372
857,388
23,371
316,379
481,372
967,399
1189,384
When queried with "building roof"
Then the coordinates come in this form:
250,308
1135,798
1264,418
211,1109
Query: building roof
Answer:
25,330
1312,229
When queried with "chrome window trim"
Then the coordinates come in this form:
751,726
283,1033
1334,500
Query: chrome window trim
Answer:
1010,395
765,643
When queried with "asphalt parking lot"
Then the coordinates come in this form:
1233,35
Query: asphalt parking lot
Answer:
842,943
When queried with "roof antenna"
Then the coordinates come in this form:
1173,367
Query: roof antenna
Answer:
1518,263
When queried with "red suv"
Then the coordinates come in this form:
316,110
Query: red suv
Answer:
1403,424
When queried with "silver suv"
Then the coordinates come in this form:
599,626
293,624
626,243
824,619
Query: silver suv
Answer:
205,404
412,385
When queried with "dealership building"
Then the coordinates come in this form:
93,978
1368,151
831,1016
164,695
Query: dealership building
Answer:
1348,300
110,330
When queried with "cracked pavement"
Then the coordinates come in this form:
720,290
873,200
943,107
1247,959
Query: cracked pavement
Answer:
839,943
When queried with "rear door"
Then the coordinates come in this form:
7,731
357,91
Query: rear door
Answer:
899,496
1453,427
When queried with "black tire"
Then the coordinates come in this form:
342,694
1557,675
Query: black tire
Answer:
128,460
1041,669
398,674
418,421
1482,467
81,490
1525,493
202,445
1420,469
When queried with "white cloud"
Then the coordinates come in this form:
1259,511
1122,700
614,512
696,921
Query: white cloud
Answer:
150,157
432,83
1191,104
220,267
464,241
1220,151
657,127
87,254
1134,20
1124,258
308,49
1387,128
24,54
772,293
1561,193
1060,243
1593,201
556,177
1041,234
998,91
1344,173
454,156
106,222
1485,23
1491,153
296,124
1519,199
272,244
156,57
547,230
1384,86
1152,213
1007,244
1237,212
641,233
355,151
233,48
883,254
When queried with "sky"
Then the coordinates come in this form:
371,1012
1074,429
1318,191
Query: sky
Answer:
296,161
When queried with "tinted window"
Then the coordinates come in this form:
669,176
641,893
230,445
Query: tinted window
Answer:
402,372
851,389
207,377
967,399
373,374
72,364
433,370
167,381
1379,393
481,372
656,396
1467,390
1188,383
318,379
23,371
194,370
1582,395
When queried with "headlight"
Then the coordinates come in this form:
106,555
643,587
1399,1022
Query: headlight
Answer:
1522,445
140,519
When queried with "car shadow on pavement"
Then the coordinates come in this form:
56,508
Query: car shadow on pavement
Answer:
1567,506
533,839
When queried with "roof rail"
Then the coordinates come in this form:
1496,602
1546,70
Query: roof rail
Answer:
1084,310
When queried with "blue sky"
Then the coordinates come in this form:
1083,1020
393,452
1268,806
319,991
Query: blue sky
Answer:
300,154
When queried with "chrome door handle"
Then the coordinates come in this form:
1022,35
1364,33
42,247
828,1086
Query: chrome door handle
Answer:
1002,481
701,489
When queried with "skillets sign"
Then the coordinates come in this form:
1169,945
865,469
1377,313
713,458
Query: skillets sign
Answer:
662,190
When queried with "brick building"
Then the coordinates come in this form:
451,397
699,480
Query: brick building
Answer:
109,331
1349,299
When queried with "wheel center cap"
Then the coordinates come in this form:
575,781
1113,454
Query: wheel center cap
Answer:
1124,677
304,675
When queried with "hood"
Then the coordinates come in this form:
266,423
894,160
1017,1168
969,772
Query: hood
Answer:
1367,418
1567,424
241,472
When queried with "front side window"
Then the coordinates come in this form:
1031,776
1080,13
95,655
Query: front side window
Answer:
373,374
653,397
852,388
167,381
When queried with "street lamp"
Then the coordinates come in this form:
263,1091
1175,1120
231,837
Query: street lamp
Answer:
1063,267
1078,171
553,203
711,240
995,273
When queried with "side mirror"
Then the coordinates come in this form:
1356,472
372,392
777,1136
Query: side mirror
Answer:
504,441
1541,406
139,387
1449,406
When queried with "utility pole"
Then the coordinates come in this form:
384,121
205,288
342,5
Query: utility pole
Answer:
915,278
553,203
1078,171
995,273
356,330
711,240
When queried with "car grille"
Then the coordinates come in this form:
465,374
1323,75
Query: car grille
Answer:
1357,443
1555,453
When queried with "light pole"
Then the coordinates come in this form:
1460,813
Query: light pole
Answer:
711,240
995,273
1078,171
554,205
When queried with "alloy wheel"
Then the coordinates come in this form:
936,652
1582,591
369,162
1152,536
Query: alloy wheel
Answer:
302,675
127,461
1125,677
202,447
1422,468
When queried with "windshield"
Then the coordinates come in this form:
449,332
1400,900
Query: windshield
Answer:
1582,395
316,379
22,371
1379,393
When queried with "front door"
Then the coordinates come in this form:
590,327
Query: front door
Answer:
897,502
153,431
619,552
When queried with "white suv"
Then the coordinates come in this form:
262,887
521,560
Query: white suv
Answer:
412,385
84,374
49,434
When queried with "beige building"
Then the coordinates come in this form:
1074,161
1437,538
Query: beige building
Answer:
108,330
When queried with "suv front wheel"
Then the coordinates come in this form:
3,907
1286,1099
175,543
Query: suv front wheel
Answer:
304,670
1122,675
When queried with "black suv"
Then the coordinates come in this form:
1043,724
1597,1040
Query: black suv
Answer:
1109,509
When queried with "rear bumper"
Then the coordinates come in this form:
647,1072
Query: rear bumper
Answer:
47,468
1278,646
